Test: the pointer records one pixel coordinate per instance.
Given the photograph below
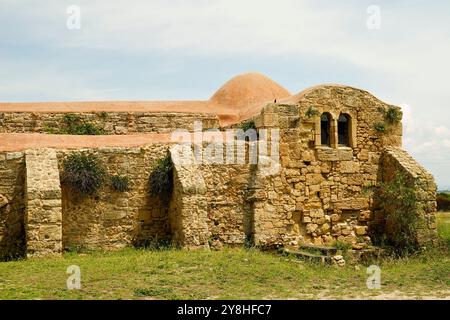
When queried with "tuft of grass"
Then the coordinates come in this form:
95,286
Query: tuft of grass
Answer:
83,173
153,292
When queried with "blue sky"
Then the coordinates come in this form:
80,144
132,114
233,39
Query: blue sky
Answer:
139,50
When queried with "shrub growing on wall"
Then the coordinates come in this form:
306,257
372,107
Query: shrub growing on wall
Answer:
247,125
402,222
120,183
83,173
73,124
161,183
393,115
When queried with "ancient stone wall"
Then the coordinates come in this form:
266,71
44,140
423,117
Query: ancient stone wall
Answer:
112,219
111,122
318,197
12,205
43,217
228,213
396,161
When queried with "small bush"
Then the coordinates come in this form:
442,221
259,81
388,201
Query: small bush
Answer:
247,125
86,129
160,180
402,223
103,115
83,173
73,124
393,115
311,112
120,183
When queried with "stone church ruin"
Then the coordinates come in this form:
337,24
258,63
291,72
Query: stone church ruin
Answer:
332,144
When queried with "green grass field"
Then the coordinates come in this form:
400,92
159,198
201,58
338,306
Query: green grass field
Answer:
226,274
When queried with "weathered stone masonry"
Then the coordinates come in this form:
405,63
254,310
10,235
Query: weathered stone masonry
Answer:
111,123
329,151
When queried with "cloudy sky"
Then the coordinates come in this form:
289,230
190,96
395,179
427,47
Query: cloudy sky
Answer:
155,49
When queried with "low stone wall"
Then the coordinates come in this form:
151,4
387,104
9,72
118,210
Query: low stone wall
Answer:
38,217
111,122
208,206
12,204
397,161
112,219
229,215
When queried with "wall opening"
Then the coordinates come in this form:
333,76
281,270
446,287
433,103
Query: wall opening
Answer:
344,130
325,126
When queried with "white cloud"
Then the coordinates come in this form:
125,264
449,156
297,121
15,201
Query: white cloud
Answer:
428,143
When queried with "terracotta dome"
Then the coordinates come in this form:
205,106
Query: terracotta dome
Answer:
246,90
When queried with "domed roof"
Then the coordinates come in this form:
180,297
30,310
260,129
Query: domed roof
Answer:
248,89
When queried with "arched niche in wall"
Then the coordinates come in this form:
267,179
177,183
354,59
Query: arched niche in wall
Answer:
325,129
344,130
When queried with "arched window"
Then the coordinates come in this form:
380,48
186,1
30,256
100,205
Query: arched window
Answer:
325,124
344,130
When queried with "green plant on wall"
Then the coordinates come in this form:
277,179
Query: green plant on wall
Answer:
120,183
311,112
161,178
398,200
392,116
247,125
83,173
380,126
103,115
73,124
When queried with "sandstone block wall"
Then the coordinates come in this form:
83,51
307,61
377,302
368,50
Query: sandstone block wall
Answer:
112,219
229,216
111,122
188,205
43,218
318,197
